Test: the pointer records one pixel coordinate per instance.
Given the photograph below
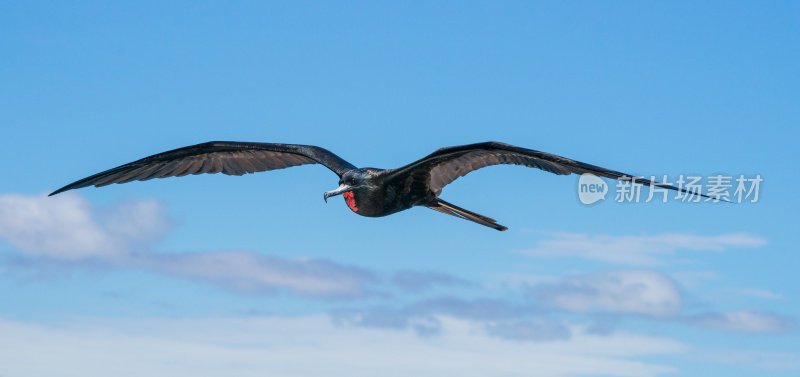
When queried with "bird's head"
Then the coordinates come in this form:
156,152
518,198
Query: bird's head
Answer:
350,185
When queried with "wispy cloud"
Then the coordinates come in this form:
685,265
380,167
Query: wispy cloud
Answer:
762,359
421,316
69,229
261,273
282,346
758,293
530,329
417,281
637,250
750,320
625,291
66,227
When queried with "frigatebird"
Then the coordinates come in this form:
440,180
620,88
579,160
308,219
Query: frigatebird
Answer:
367,191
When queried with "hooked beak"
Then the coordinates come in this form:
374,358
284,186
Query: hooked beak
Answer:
343,188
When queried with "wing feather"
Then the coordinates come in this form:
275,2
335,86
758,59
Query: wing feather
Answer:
231,158
448,164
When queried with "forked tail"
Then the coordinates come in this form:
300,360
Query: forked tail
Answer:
453,210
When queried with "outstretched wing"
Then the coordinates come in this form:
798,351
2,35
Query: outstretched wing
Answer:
448,164
226,157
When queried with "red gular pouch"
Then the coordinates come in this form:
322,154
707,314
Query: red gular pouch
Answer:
351,200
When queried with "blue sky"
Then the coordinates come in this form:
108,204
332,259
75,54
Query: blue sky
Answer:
256,275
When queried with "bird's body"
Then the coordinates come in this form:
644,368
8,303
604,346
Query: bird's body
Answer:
376,195
368,192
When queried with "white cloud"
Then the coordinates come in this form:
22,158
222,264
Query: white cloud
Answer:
692,279
761,359
417,281
137,220
257,273
68,228
637,250
421,316
759,293
628,291
531,329
311,346
750,320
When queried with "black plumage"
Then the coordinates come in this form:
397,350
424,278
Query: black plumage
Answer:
367,191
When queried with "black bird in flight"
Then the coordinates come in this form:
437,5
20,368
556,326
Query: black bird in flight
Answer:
367,191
